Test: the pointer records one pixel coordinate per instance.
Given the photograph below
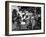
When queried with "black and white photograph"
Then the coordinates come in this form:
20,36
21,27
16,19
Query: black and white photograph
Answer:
26,18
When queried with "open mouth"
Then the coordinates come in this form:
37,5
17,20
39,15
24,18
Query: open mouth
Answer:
23,23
